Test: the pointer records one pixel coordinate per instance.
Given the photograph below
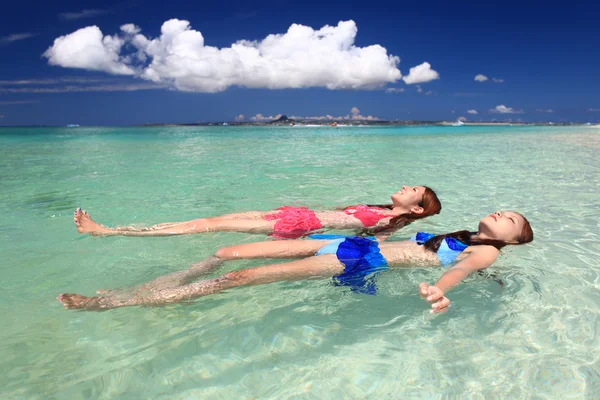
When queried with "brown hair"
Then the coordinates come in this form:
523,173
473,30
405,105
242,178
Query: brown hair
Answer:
525,236
430,203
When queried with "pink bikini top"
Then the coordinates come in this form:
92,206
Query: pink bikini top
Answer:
369,216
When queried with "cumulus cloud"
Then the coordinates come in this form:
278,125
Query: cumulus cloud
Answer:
354,115
545,111
497,80
474,112
421,74
239,117
85,13
88,49
300,58
16,37
502,109
260,117
463,119
481,78
394,90
130,29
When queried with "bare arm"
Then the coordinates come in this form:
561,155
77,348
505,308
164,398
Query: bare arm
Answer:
385,234
479,258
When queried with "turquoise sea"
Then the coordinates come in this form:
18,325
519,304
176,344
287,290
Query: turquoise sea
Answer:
537,337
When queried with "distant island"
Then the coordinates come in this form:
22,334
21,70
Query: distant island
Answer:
285,121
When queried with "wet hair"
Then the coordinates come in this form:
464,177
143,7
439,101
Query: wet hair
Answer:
525,236
430,203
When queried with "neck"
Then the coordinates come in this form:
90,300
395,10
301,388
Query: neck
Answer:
482,236
398,210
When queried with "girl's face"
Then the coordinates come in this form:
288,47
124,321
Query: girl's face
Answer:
502,225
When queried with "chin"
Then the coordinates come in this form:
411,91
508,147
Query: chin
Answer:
484,225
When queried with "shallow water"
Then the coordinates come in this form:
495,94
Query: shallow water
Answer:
538,337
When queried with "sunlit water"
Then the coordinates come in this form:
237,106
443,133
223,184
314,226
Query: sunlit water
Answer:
538,337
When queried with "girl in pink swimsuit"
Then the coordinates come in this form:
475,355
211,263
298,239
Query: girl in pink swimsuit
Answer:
408,204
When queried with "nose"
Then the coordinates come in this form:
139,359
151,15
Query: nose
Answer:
498,214
404,187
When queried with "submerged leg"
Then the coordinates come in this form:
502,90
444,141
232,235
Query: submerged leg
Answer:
267,249
252,224
309,268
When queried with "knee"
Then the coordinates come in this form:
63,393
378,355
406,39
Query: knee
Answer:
227,253
240,277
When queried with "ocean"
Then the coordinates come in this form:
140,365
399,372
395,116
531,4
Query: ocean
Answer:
536,337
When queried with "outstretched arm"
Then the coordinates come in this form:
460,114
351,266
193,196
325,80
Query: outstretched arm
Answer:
479,258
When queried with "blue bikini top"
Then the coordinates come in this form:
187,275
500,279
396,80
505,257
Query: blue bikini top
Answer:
449,249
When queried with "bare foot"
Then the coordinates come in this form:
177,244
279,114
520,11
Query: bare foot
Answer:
85,223
73,301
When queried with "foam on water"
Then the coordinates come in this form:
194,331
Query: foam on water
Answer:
538,337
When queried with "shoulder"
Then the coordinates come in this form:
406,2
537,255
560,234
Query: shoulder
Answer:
482,255
483,250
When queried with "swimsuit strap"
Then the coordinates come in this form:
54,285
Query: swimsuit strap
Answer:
449,248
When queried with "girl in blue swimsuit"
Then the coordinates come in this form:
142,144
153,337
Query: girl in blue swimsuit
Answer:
349,260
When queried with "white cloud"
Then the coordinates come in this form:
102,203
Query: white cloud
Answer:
463,119
474,112
421,74
16,37
131,29
593,109
497,80
260,117
83,14
302,57
353,116
239,117
394,90
544,111
88,49
427,93
502,109
481,78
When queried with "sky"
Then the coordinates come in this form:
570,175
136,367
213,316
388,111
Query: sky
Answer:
145,61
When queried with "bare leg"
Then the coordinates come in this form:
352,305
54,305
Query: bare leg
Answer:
226,223
309,268
268,249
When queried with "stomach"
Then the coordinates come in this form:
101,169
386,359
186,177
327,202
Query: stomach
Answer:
408,254
338,220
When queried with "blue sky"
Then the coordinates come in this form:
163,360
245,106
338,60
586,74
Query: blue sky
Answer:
541,61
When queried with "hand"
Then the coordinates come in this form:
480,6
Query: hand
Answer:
435,296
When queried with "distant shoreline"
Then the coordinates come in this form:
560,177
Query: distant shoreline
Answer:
372,123
342,124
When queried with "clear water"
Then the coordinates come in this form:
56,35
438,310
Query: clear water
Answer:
538,337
